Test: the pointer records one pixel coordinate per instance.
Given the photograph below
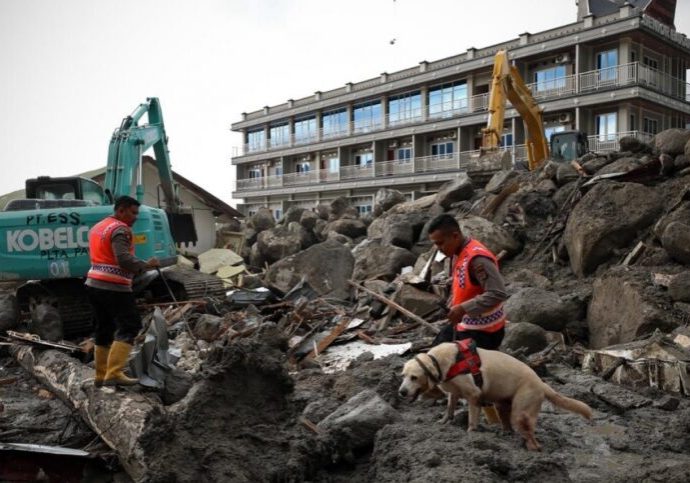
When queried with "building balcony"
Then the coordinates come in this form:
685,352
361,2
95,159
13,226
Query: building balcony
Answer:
398,169
625,75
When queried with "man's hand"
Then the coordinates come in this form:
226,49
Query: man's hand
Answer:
152,262
455,313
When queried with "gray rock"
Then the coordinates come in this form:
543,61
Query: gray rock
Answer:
634,145
565,174
523,334
307,237
681,214
385,199
320,229
176,386
45,319
401,230
681,161
255,258
348,227
539,307
687,150
9,312
672,141
250,235
339,207
547,187
420,205
323,210
622,165
278,243
528,278
679,287
494,237
626,306
608,217
501,180
373,260
418,301
207,327
342,239
676,241
455,190
325,266
595,164
294,213
375,229
361,417
262,220
308,220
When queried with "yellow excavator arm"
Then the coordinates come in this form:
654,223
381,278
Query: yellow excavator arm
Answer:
507,84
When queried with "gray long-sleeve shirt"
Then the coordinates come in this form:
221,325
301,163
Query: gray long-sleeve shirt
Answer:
485,272
121,240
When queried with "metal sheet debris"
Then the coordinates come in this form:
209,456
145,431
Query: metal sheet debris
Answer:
338,358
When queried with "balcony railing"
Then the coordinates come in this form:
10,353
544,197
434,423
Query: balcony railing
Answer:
616,77
459,161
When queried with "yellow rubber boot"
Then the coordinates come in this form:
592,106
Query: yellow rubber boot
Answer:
100,355
491,415
117,359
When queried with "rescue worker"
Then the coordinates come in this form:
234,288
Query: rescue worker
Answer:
109,288
475,307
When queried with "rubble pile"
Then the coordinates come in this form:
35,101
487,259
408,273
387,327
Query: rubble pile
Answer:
293,375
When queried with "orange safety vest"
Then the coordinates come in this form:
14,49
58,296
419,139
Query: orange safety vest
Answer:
104,266
464,290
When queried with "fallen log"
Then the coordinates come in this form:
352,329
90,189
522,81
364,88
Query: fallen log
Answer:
118,417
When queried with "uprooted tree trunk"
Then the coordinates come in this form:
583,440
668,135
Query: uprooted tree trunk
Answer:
119,418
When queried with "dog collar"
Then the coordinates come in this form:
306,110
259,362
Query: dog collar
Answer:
427,371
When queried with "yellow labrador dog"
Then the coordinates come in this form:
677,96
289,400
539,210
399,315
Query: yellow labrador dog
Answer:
512,386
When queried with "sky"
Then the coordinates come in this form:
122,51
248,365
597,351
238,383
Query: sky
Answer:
72,69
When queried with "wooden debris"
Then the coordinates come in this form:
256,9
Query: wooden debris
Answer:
179,302
8,380
397,307
328,340
634,254
309,425
366,338
578,167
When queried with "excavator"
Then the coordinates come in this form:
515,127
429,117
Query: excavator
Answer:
507,84
44,237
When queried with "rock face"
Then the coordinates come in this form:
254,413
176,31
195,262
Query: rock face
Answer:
326,267
609,216
278,243
539,307
385,199
625,306
494,237
373,260
401,230
672,141
676,241
262,220
456,190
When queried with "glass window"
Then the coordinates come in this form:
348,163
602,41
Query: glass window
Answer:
305,130
364,160
507,139
333,165
92,191
607,63
256,140
367,116
448,100
280,135
278,213
651,126
363,209
548,131
404,108
335,123
606,126
303,167
255,173
442,149
550,79
279,170
404,154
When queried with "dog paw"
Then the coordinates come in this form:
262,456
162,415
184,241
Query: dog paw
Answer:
445,420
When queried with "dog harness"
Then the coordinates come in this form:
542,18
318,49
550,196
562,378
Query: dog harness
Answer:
467,361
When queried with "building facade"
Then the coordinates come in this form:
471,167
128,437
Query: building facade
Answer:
618,71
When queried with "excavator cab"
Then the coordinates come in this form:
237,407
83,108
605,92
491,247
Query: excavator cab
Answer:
568,145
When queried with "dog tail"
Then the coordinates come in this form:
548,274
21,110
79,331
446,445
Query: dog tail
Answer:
569,404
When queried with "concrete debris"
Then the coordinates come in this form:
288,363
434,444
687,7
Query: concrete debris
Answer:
215,258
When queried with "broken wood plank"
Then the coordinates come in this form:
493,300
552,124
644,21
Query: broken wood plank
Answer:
366,338
166,304
328,340
309,425
397,307
634,254
8,380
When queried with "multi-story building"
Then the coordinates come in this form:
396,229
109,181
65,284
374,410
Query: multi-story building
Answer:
620,70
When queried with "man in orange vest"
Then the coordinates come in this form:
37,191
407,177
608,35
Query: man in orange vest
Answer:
478,291
477,295
109,287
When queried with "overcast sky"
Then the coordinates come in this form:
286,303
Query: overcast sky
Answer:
72,69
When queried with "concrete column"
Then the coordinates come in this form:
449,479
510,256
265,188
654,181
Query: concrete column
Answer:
577,119
424,96
577,68
513,128
266,145
417,149
291,130
317,117
350,120
384,111
379,150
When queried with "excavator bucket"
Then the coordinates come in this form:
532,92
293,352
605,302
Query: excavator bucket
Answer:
182,227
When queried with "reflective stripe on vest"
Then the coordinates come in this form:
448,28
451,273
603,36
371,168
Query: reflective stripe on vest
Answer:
104,266
463,290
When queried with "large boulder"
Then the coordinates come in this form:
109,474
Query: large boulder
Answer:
262,220
494,237
401,230
626,305
376,261
540,307
325,266
531,337
385,199
278,243
680,214
420,205
609,216
676,241
294,213
679,287
9,312
459,189
634,145
308,220
622,165
500,180
348,227
342,207
307,237
418,301
672,141
360,418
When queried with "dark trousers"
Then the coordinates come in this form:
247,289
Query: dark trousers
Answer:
484,340
115,314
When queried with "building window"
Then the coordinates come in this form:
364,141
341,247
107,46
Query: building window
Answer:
305,130
333,165
651,126
404,154
649,62
279,171
444,149
548,131
550,79
404,108
278,213
367,116
303,167
255,173
607,64
256,140
606,126
334,123
363,209
633,123
507,140
448,100
364,160
280,135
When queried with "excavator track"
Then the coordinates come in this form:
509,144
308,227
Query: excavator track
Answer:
191,284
